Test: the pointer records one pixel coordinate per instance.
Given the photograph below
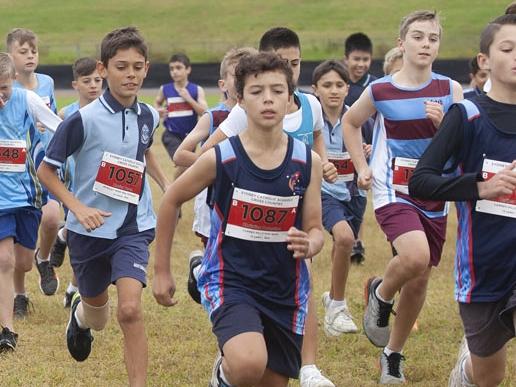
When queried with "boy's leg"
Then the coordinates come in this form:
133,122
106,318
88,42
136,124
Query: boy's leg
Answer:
343,240
130,318
487,371
6,282
273,379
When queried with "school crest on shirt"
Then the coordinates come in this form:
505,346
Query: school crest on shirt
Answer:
145,136
293,183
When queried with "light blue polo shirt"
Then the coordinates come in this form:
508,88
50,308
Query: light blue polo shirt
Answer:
105,125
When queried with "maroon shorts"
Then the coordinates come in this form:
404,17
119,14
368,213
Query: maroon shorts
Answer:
396,219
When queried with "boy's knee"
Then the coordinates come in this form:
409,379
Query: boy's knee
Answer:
129,312
416,261
95,317
6,262
489,378
23,263
246,370
343,240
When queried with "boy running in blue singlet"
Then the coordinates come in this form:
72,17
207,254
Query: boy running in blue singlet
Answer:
411,104
266,222
21,194
480,136
111,222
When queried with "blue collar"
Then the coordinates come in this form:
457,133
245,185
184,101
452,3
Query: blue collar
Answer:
111,104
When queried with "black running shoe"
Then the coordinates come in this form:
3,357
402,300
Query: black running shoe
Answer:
194,260
48,281
78,340
8,340
358,253
21,306
58,252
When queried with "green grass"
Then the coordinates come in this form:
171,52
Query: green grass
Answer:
206,29
182,347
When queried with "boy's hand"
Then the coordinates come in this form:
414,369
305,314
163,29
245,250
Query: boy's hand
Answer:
329,172
183,92
367,150
90,218
164,288
299,243
503,183
162,112
365,179
40,127
435,112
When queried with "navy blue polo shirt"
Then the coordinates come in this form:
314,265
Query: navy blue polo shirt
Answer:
106,126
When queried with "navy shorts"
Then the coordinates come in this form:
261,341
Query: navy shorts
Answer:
21,224
283,345
171,141
488,325
99,262
335,211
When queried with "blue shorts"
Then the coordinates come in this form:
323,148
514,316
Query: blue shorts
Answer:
283,345
335,211
99,262
21,224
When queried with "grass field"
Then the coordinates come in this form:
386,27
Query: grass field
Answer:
206,29
182,348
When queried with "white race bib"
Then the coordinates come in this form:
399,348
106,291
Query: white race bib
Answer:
503,205
402,170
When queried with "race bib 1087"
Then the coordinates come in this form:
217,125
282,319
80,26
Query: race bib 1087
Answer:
260,217
402,170
503,205
120,178
13,155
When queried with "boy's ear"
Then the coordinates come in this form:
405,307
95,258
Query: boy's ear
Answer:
188,70
483,61
222,85
314,88
399,41
74,85
101,69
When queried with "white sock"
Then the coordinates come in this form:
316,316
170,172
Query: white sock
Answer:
39,259
60,234
71,288
388,351
337,304
380,297
307,368
467,382
79,322
222,376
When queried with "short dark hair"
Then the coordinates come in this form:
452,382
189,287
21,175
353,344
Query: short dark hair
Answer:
279,37
258,64
22,36
327,66
83,67
358,42
121,39
511,8
473,66
180,57
487,36
7,66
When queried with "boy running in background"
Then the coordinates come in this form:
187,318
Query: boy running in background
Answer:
304,122
358,54
480,136
265,224
184,102
22,44
478,79
342,205
21,196
411,103
88,84
110,221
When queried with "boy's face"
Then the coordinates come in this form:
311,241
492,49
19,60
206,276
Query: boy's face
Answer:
331,90
293,57
266,98
501,61
421,43
228,83
25,57
125,73
358,63
6,89
479,79
178,71
89,86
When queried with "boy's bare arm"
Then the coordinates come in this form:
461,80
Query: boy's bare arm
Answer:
352,122
307,242
90,218
154,170
158,103
329,170
199,105
185,154
200,175
214,139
